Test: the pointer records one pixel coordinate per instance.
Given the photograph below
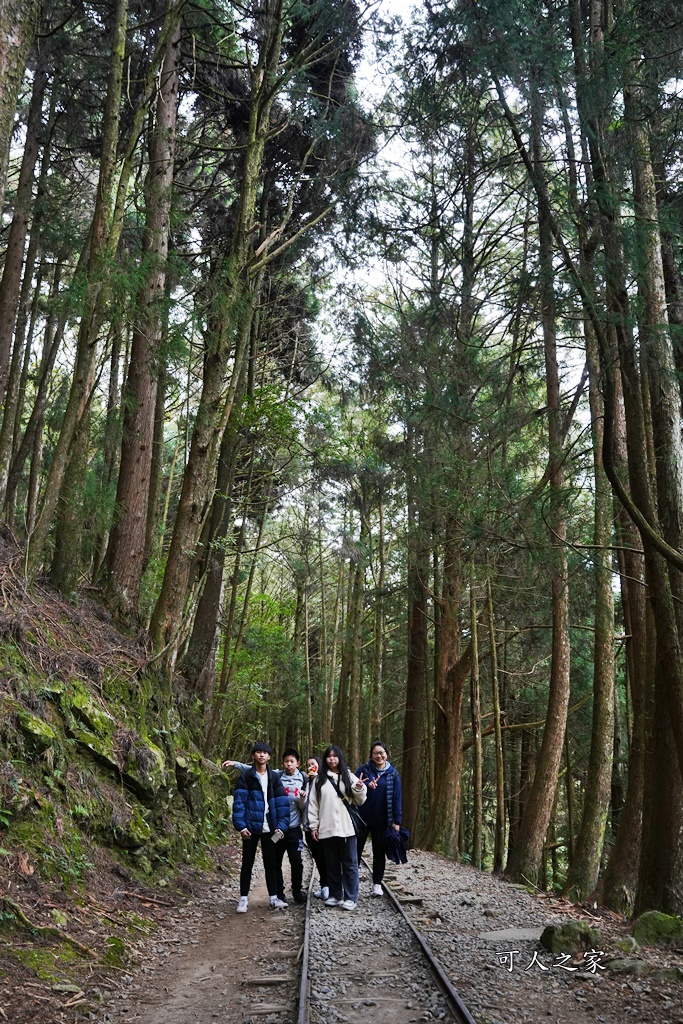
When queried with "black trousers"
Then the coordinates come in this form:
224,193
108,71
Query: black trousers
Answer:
342,866
379,857
270,862
292,845
318,857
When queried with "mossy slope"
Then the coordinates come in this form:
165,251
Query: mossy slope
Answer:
95,749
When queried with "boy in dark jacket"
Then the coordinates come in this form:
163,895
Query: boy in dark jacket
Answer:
260,812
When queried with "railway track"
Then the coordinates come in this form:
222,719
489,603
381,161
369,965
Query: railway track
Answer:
371,964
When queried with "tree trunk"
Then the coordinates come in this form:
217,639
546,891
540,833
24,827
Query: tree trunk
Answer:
126,554
18,23
156,468
441,829
105,232
661,861
10,284
65,568
582,877
329,709
416,682
660,368
340,718
18,370
234,309
198,658
87,336
621,875
525,860
475,712
54,332
353,751
499,840
375,709
112,440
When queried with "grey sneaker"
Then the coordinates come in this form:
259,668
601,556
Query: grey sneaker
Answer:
322,894
348,905
279,904
332,902
243,905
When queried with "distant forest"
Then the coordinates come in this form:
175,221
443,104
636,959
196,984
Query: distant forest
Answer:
340,357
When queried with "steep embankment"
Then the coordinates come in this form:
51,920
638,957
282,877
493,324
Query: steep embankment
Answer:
98,769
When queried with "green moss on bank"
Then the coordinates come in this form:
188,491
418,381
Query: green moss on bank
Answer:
102,761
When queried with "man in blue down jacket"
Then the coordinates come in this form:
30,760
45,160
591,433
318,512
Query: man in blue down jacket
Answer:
260,812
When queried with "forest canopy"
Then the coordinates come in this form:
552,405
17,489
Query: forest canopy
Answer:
340,358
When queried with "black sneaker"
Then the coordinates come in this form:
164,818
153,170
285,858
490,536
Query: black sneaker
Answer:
299,897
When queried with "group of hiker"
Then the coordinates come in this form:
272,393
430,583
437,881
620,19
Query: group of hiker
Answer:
333,809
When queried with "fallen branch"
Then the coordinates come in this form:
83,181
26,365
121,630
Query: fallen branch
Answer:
101,912
147,899
47,930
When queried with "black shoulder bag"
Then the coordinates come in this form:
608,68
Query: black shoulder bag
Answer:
354,815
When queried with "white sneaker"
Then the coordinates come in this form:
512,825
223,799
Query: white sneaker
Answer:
348,905
322,894
332,902
279,904
243,905
377,889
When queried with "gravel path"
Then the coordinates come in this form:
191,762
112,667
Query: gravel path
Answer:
474,921
366,966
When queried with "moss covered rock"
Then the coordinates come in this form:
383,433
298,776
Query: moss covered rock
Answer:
667,974
627,945
654,928
140,763
130,828
629,966
93,715
108,756
143,766
571,937
40,735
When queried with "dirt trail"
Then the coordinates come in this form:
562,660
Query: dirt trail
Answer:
206,964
